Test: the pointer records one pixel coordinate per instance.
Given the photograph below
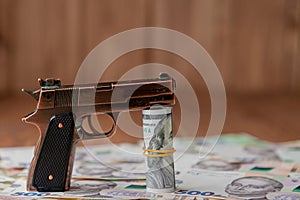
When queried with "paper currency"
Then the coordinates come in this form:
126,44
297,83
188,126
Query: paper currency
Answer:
233,184
83,189
269,167
235,151
238,140
289,154
244,153
283,196
5,182
240,166
215,165
110,153
109,162
158,142
16,157
143,194
116,171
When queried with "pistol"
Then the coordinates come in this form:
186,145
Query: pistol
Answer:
61,111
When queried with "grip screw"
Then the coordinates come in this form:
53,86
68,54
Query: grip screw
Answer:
60,125
50,177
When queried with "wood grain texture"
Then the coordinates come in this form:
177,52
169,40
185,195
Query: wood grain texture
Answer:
3,48
254,43
270,117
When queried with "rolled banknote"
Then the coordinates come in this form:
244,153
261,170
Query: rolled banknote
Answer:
158,149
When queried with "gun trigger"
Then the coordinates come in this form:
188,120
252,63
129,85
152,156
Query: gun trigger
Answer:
36,97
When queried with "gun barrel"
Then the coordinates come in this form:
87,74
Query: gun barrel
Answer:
135,94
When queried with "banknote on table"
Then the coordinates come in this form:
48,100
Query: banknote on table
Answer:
197,184
283,196
115,171
16,157
93,189
143,194
275,168
234,159
289,152
82,189
243,153
195,144
246,185
109,162
234,148
241,138
110,153
5,181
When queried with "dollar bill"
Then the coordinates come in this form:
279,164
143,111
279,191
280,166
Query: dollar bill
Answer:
158,135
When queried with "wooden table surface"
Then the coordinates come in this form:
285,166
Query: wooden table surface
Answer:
269,117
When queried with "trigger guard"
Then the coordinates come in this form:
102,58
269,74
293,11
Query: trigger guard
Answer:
96,134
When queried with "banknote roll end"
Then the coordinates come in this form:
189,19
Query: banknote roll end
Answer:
161,190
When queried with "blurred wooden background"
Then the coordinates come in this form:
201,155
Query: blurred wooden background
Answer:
255,44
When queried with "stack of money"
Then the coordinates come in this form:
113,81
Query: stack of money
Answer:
239,167
158,147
